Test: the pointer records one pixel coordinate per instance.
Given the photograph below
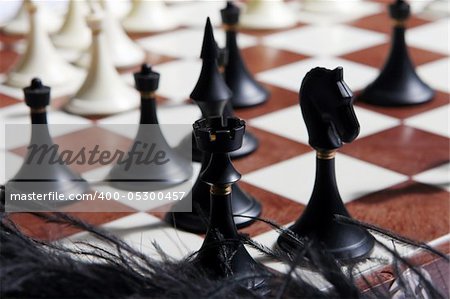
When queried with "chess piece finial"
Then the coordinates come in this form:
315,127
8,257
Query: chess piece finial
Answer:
103,92
246,91
153,176
219,136
326,104
149,16
41,176
212,94
398,83
41,59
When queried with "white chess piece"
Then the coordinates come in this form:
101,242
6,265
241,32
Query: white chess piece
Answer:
123,51
149,16
74,34
331,6
438,8
20,24
41,59
103,91
267,14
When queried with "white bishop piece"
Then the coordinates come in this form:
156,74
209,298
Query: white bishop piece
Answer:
74,34
123,51
331,6
42,60
103,91
20,24
149,16
263,14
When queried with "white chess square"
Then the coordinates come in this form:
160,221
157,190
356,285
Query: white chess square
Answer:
432,36
194,13
436,74
187,43
435,121
289,123
290,76
438,176
140,230
324,40
294,178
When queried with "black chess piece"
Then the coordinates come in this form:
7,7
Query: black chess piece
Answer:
211,56
246,91
326,104
398,83
211,95
42,171
146,176
223,254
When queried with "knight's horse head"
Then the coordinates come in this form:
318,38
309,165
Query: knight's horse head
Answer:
326,103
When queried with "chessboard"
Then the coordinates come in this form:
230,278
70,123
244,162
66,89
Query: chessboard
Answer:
395,175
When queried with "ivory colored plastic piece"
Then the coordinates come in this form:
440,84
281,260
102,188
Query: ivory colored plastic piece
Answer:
41,59
438,8
103,92
20,24
263,14
149,16
123,51
74,34
330,6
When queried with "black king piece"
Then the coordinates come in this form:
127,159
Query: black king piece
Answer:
38,173
223,253
326,104
398,83
212,94
150,176
246,91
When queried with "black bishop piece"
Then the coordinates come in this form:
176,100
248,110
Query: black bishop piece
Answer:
223,254
398,83
39,173
142,176
211,95
326,104
246,91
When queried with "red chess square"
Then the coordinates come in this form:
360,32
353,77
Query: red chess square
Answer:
410,209
403,149
383,23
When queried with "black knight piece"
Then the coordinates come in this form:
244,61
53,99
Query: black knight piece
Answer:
246,91
326,104
223,254
41,175
153,176
211,95
398,83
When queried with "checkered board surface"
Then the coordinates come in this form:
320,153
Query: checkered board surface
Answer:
395,175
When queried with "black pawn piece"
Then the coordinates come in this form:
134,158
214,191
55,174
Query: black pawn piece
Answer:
150,175
330,120
211,94
39,173
223,254
246,91
398,83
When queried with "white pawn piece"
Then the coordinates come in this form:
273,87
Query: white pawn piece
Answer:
264,15
42,60
123,51
149,16
103,91
20,24
438,8
331,6
74,34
